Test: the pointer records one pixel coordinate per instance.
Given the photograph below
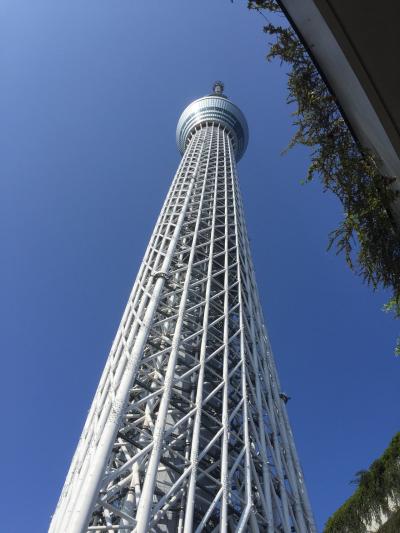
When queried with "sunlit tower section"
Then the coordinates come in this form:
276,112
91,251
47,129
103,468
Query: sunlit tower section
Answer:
188,430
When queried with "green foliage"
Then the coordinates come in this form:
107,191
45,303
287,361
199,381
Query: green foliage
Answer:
359,477
392,525
393,306
367,236
381,480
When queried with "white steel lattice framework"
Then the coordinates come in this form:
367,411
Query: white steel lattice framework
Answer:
188,430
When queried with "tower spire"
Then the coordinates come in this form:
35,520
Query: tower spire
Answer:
188,430
218,88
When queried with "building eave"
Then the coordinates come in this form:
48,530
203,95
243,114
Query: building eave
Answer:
333,36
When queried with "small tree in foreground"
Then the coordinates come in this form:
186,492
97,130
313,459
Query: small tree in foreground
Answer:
367,235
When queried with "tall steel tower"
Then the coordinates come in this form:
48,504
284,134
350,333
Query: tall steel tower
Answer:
188,430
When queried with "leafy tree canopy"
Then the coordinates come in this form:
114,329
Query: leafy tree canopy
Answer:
367,235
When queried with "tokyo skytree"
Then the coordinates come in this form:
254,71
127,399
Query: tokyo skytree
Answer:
188,429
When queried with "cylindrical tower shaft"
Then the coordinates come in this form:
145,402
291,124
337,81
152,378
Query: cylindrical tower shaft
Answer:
188,430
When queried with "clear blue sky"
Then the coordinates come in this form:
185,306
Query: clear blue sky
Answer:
90,94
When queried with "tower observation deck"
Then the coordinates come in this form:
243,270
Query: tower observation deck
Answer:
188,430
